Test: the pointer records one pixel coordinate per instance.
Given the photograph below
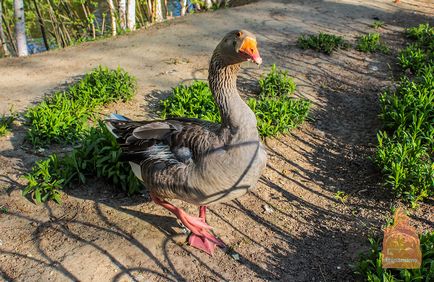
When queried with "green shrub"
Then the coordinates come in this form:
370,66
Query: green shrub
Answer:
371,43
423,34
377,24
276,83
64,116
6,123
413,58
419,53
194,101
405,151
98,155
323,42
278,115
369,265
275,111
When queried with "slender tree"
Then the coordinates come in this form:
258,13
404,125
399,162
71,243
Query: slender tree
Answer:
122,14
112,16
131,15
158,11
41,25
208,4
3,43
183,7
20,28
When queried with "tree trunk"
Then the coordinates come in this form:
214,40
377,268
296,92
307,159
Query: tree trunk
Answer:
131,15
3,44
41,26
208,4
158,11
122,14
20,28
183,7
112,16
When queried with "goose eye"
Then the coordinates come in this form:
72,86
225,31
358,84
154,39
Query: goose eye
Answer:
239,33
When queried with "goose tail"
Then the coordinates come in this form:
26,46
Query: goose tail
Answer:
109,122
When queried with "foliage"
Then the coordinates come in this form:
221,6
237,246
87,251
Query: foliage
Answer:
193,101
405,151
6,123
276,83
369,265
420,52
377,24
97,155
275,111
323,42
63,117
371,43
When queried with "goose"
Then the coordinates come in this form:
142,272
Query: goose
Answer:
197,161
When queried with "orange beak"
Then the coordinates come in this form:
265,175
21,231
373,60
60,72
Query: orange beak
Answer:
249,49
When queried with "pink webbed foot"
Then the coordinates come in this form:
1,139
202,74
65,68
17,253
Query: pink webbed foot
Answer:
204,241
200,237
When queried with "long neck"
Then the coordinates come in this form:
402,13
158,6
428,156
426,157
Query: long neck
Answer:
234,112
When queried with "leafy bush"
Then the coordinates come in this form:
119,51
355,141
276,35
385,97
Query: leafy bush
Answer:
405,151
377,24
97,155
63,117
423,34
323,42
412,58
195,101
275,111
369,266
6,123
276,83
371,43
420,52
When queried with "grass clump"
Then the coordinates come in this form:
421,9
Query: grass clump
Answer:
194,101
97,155
370,268
323,42
64,116
377,24
420,52
6,123
405,151
275,110
371,43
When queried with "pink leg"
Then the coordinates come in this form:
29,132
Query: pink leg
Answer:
202,242
200,237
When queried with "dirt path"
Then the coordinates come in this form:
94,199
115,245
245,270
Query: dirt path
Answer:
292,228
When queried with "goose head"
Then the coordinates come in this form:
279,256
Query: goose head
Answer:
239,46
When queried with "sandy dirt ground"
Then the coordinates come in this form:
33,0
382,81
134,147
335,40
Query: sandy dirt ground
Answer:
291,228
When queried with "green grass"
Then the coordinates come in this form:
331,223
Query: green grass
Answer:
98,155
193,101
323,42
420,52
369,265
371,43
405,150
6,123
275,110
64,117
377,24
